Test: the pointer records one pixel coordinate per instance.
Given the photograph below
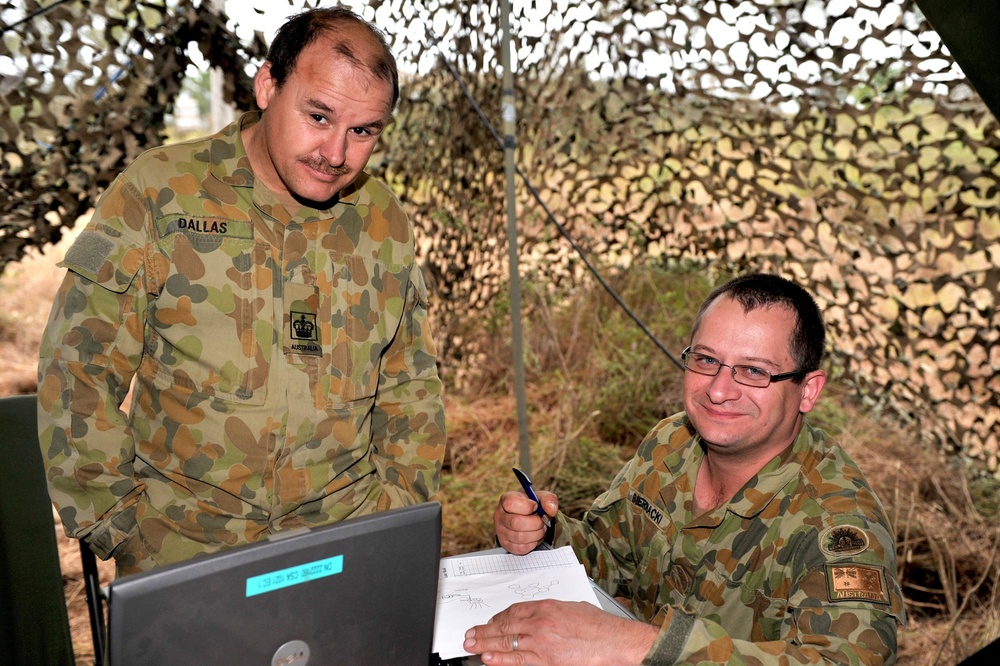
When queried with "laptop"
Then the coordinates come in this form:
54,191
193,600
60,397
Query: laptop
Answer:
361,591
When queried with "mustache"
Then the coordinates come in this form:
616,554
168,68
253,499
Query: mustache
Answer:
323,166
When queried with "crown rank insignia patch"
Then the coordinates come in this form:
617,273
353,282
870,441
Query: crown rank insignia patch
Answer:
856,582
304,333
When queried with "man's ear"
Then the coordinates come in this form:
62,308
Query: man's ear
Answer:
264,86
812,386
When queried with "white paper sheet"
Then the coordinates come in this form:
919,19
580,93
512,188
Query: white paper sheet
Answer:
474,588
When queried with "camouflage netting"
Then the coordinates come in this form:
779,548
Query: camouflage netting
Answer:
835,142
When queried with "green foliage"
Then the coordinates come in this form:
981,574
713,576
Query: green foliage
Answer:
884,86
588,467
985,492
470,499
629,396
830,414
633,383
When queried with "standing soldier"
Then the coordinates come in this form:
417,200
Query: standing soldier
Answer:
257,294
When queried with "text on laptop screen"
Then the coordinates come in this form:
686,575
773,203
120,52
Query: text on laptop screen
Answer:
296,575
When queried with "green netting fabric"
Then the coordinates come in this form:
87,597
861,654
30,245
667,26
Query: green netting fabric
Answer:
835,142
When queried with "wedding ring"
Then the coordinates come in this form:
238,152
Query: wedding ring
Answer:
514,645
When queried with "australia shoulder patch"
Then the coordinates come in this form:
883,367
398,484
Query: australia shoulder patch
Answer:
856,582
843,540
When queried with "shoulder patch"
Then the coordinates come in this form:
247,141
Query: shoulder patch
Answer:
856,582
841,540
89,252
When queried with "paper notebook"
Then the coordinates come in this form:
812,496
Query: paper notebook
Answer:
473,588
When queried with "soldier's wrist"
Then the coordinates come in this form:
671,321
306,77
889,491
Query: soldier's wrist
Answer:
670,642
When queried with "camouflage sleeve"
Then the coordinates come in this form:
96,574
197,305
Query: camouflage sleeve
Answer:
855,624
853,631
408,428
90,349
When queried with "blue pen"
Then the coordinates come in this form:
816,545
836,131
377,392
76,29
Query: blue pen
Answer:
526,484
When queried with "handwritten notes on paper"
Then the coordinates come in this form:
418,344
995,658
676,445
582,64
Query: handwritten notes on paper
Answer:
474,588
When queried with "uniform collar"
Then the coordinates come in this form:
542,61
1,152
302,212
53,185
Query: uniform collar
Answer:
776,475
228,162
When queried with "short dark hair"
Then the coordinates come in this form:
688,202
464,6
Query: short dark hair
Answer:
758,290
306,27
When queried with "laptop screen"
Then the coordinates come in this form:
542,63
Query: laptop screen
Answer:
361,591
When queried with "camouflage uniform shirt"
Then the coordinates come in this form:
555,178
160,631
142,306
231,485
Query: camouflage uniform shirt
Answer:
798,568
283,370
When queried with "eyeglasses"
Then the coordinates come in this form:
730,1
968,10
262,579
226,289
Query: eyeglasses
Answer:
748,375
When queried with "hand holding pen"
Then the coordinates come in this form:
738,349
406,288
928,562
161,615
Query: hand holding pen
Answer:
530,492
516,519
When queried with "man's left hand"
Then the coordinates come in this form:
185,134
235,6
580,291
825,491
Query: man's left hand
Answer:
551,633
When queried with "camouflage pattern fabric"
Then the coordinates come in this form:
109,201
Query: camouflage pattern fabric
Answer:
284,374
798,568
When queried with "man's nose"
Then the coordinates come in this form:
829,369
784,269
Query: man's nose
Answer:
334,150
724,385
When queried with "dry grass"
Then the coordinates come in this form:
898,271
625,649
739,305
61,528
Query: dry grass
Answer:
26,292
948,549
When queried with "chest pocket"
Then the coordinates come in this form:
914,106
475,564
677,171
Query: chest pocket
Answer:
357,305
738,576
212,322
653,537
